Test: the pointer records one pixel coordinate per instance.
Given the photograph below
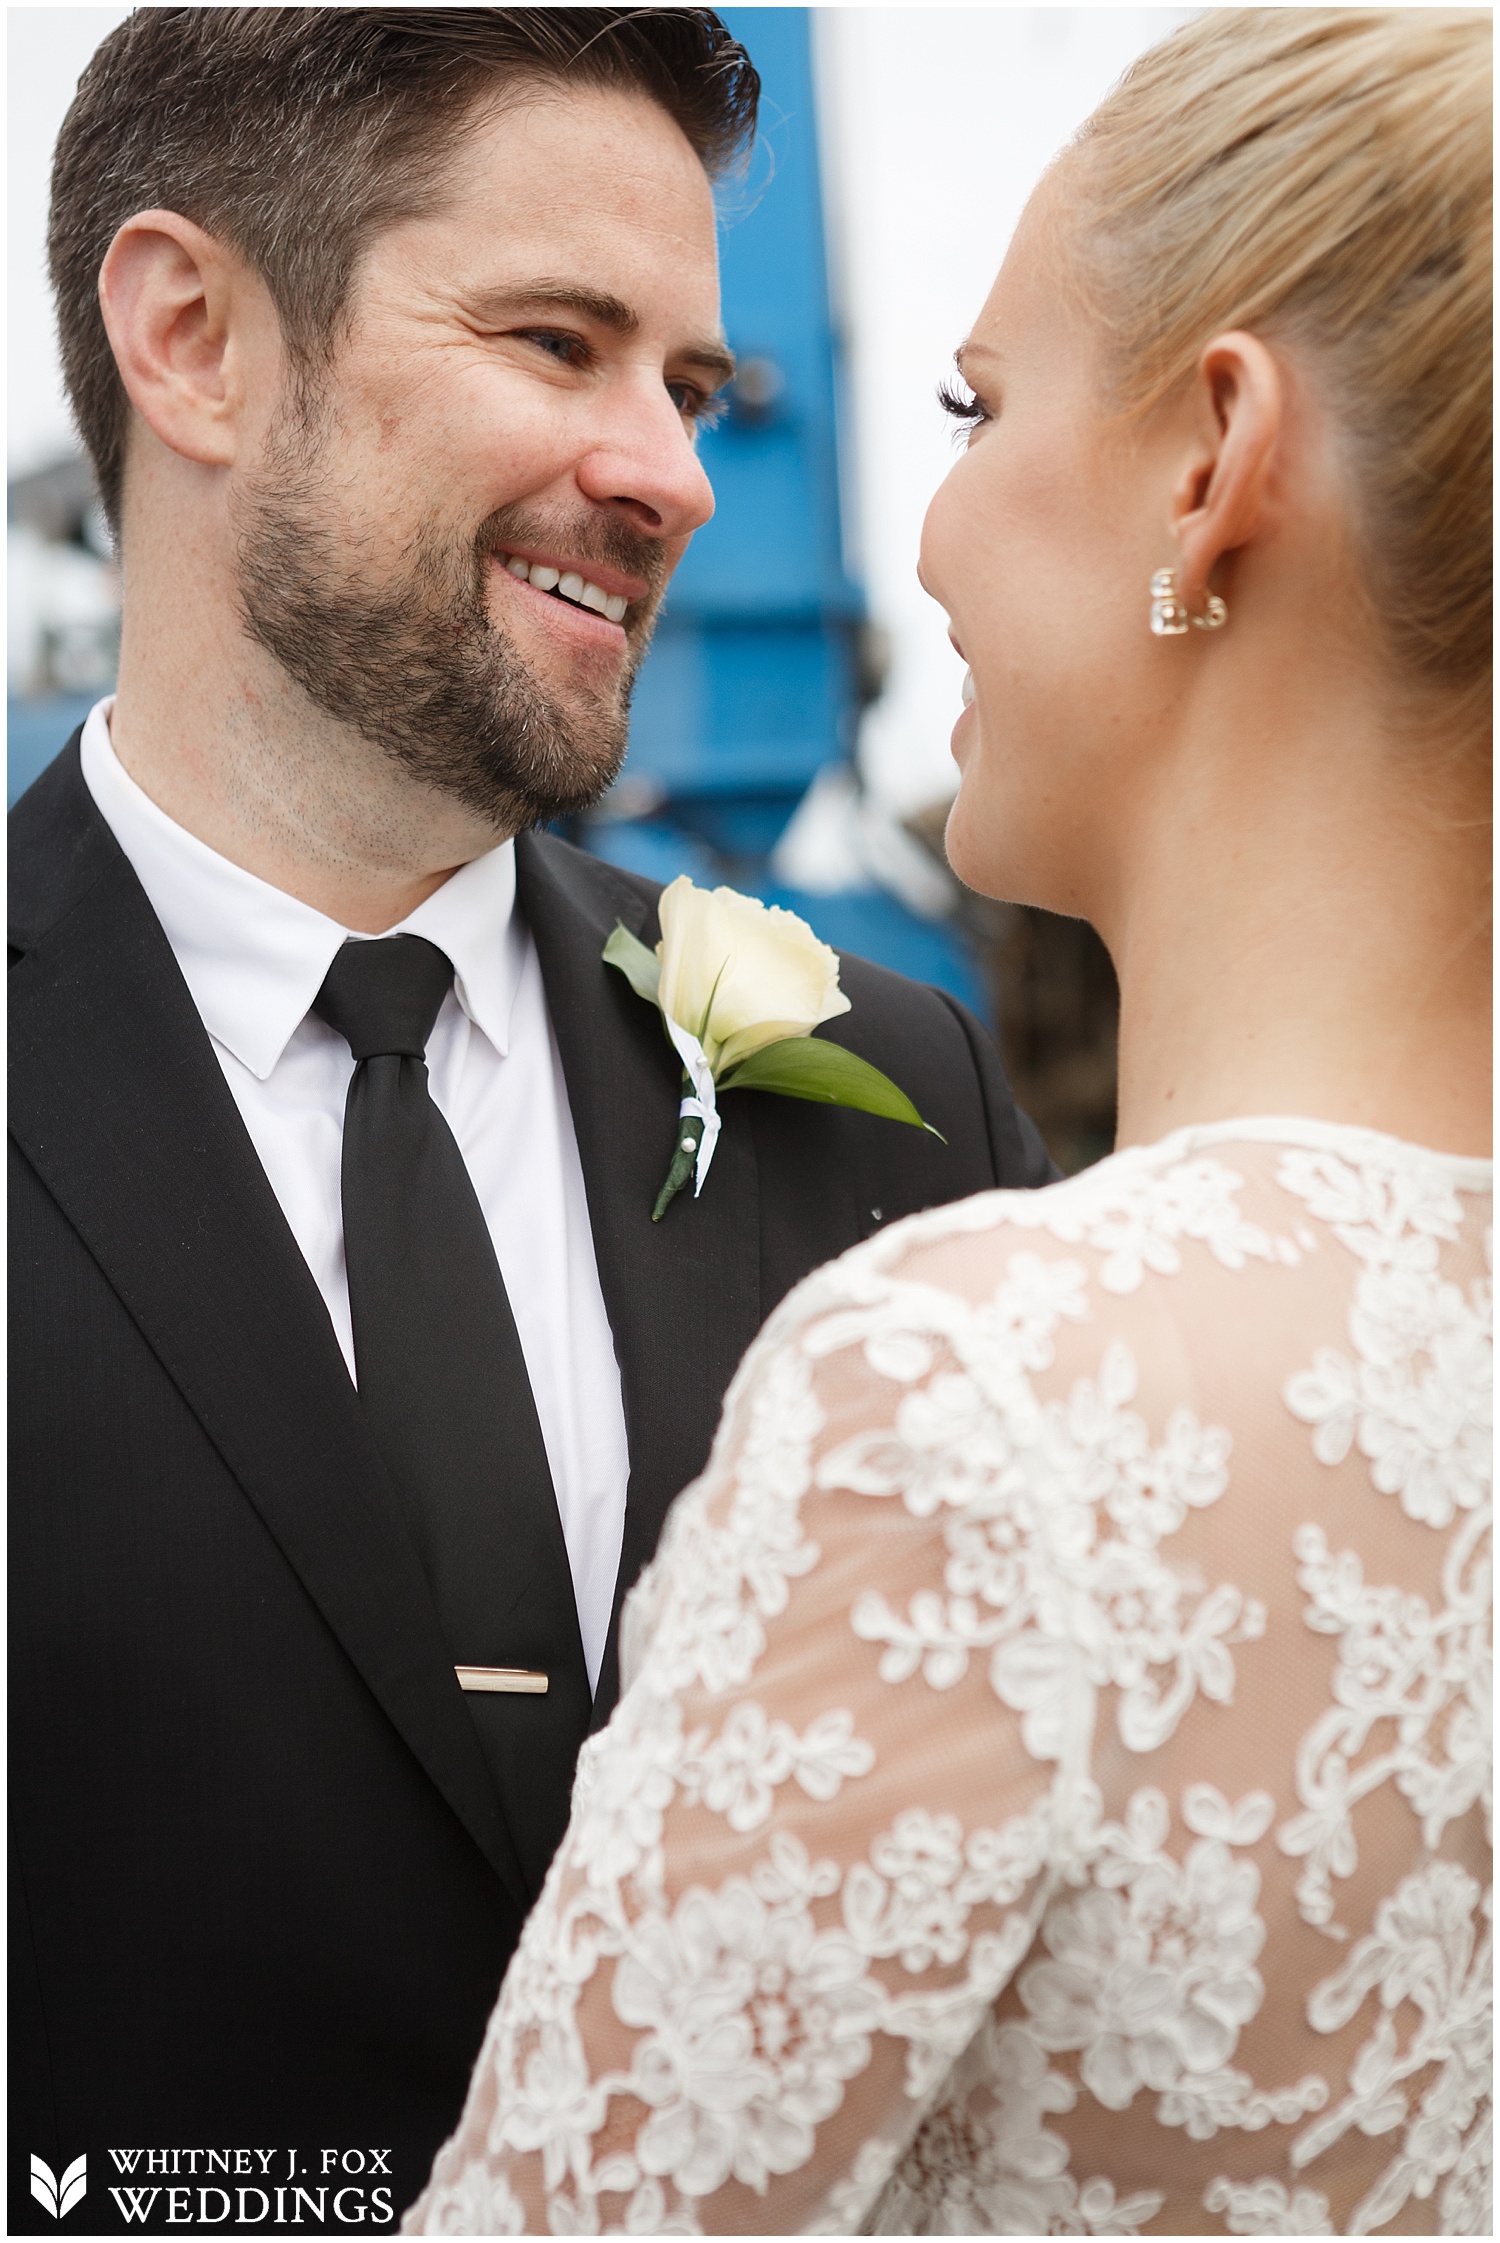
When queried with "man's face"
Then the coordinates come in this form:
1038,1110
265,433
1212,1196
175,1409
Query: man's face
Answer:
509,420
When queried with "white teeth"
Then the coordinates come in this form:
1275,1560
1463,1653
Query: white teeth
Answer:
544,578
967,688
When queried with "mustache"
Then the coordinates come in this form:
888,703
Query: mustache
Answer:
583,537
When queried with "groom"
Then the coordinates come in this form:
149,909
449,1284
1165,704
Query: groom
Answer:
351,1379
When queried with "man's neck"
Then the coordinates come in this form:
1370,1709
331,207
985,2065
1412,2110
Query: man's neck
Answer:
229,747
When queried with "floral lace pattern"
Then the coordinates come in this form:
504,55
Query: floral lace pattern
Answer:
1049,1793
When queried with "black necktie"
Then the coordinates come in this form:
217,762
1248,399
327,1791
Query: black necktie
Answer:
443,1384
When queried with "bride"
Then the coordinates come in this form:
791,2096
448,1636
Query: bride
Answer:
1048,1797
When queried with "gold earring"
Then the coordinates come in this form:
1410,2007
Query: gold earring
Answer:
1169,618
1169,615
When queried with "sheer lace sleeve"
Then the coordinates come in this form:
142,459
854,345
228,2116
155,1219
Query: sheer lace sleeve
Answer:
1046,1796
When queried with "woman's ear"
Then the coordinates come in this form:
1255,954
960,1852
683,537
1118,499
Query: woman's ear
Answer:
167,292
1224,498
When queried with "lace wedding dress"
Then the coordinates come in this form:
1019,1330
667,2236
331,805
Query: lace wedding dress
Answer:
1049,1793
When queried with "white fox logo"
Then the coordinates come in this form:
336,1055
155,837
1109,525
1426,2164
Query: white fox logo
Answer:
59,2196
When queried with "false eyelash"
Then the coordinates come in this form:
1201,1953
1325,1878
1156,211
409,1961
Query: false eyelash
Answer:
959,401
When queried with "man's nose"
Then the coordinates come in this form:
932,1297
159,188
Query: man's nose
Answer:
645,465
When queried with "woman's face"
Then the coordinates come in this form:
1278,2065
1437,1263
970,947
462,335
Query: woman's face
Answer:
1040,546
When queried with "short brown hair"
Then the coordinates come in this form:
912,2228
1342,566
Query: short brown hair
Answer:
297,134
1323,174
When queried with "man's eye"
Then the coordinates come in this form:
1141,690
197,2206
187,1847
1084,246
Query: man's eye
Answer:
696,405
570,350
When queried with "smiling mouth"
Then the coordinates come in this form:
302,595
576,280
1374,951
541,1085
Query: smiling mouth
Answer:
570,586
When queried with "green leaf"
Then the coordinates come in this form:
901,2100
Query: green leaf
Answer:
640,966
810,1067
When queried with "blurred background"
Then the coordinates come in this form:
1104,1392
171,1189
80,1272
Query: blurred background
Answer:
790,733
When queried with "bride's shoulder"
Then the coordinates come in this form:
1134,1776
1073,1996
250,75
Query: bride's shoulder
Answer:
1166,1228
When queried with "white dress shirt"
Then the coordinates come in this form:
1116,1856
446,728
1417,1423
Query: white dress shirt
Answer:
254,959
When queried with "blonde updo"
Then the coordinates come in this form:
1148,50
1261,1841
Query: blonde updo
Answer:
1322,175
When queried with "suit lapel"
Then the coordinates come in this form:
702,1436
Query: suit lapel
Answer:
683,1295
117,1101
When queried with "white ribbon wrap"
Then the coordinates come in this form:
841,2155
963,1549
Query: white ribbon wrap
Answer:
703,1107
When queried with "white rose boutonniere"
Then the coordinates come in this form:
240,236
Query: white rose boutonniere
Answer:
740,987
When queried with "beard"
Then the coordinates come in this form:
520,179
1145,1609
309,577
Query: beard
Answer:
413,661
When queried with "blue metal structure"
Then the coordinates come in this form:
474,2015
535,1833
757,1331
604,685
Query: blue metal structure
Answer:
751,686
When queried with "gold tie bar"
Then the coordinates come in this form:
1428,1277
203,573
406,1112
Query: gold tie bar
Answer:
520,1679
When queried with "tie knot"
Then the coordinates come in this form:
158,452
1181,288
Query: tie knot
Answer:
383,997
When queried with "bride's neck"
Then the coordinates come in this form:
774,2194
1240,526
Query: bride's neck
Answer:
1307,930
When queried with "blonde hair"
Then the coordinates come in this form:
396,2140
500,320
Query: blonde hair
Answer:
1322,175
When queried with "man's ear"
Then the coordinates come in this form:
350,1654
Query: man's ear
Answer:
1224,497
168,292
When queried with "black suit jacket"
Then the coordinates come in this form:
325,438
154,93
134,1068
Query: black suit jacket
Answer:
264,1888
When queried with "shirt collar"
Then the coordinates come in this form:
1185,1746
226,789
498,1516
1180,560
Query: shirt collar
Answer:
254,958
